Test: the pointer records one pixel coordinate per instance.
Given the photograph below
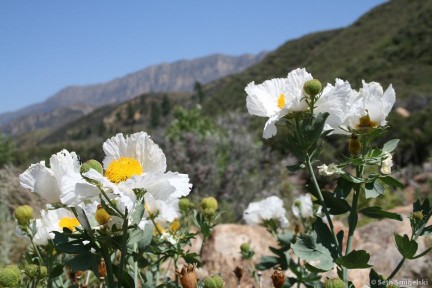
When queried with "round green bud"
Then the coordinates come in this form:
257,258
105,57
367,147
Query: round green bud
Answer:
43,272
9,278
24,214
209,203
15,269
312,87
245,247
31,270
334,283
417,215
86,166
185,204
214,281
209,212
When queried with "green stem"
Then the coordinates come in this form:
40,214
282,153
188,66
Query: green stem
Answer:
110,273
110,202
352,221
135,247
397,268
123,249
322,202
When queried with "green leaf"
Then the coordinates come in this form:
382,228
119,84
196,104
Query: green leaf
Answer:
376,212
427,231
423,253
355,260
285,239
82,218
308,249
343,188
340,237
138,212
127,281
390,181
325,237
84,262
57,271
147,237
406,247
337,206
376,280
350,178
295,167
391,145
267,262
374,189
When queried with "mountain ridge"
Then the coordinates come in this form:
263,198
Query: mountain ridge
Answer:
178,76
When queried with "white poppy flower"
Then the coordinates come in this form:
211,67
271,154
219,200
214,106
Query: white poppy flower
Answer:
303,207
369,107
335,101
62,182
269,208
53,220
386,164
132,155
277,97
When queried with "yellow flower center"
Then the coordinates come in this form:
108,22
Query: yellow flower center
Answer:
175,226
366,122
122,169
281,101
69,223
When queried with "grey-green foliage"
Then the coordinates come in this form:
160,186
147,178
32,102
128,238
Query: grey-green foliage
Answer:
7,149
221,158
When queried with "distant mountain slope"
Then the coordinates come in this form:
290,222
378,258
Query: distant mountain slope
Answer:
178,76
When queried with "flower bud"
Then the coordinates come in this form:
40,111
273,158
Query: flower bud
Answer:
9,277
43,272
185,205
334,283
209,203
31,270
102,272
86,166
187,275
312,87
278,278
91,164
24,214
214,281
238,272
245,247
354,145
102,217
417,215
15,269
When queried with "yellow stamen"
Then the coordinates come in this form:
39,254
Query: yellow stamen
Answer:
366,122
281,101
175,226
69,223
122,169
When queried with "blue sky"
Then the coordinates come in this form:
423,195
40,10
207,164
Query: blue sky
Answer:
49,44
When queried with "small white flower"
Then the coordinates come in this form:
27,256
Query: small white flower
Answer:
168,237
386,163
62,182
371,101
303,207
329,170
276,98
53,220
267,209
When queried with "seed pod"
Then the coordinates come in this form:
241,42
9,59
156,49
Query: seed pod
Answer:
278,278
187,275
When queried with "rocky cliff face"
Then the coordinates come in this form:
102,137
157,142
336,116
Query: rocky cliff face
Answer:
178,76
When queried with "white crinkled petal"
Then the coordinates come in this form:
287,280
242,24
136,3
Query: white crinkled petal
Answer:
303,207
262,99
41,180
294,94
74,189
269,208
138,146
